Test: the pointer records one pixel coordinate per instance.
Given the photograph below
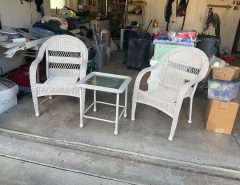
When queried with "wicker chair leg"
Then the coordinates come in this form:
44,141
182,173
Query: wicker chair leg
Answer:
134,104
35,104
175,121
173,128
190,110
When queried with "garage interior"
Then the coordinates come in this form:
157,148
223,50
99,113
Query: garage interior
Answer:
52,148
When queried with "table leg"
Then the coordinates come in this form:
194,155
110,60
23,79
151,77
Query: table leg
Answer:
81,108
125,106
116,121
94,102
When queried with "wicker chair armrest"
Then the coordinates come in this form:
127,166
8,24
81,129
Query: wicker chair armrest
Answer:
142,73
185,88
33,70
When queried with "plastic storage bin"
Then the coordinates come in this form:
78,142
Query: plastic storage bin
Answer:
223,90
20,76
8,94
208,44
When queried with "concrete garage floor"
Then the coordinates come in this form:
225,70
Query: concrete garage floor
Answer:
143,142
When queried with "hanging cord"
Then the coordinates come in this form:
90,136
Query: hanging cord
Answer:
31,13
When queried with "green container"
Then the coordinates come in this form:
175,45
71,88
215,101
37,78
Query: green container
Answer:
162,49
91,65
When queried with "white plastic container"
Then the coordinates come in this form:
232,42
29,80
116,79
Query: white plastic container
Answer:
8,96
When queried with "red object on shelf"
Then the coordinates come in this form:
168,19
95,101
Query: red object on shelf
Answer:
184,34
228,58
20,76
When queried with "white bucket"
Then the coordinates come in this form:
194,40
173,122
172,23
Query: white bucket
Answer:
8,97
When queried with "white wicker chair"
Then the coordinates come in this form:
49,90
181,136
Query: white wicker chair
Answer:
66,63
180,71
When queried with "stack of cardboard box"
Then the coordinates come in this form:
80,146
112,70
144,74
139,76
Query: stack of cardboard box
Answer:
223,90
106,38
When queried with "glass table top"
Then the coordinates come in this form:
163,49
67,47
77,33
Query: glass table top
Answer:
105,81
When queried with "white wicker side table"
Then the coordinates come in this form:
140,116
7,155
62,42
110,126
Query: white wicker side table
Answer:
105,82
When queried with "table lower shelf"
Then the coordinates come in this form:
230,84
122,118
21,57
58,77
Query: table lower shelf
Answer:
101,119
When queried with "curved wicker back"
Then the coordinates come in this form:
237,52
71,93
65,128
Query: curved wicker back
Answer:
182,65
65,55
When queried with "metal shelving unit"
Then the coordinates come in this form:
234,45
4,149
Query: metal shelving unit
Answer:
115,10
135,13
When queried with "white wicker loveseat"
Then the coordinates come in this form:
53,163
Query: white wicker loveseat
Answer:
66,63
180,71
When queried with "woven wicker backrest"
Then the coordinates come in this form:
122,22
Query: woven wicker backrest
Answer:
66,56
183,65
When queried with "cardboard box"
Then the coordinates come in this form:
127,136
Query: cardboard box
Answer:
146,76
226,73
107,55
107,59
106,38
208,75
221,116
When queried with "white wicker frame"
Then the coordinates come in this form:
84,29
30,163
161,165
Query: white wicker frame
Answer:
66,63
180,72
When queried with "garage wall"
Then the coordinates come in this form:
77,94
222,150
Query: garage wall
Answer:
155,9
15,14
196,17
